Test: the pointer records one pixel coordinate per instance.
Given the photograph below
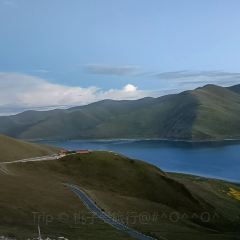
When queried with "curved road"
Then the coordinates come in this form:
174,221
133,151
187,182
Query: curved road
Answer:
35,159
4,170
92,207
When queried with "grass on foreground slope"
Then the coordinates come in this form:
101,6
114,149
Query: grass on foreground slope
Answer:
137,193
12,149
234,193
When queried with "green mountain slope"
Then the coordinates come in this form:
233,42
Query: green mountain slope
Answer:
218,114
210,112
137,193
12,149
235,88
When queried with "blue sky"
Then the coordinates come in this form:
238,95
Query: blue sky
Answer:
151,46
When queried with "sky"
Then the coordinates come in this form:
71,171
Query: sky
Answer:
61,53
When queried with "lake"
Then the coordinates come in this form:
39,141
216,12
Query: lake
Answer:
211,159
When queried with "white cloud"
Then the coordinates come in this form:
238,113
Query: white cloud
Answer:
21,92
130,88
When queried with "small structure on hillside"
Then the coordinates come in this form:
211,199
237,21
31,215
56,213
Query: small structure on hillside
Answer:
83,151
63,151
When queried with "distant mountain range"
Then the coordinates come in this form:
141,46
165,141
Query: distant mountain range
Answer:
207,113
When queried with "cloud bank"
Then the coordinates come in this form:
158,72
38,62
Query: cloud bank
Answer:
181,80
20,92
127,70
196,78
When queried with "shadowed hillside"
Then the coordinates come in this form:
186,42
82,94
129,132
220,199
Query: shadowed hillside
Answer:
218,113
235,88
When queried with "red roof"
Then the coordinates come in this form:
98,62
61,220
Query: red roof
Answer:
82,151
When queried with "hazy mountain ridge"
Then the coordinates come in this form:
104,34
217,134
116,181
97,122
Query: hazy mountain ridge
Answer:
210,112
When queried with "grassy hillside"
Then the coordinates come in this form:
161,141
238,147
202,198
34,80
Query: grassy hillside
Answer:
136,193
12,149
218,113
235,88
210,112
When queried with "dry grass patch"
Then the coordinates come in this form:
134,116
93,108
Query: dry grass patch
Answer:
234,193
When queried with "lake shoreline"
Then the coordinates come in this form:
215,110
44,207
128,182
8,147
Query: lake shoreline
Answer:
203,177
215,159
134,140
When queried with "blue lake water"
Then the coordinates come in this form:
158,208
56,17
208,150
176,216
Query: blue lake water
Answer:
212,159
